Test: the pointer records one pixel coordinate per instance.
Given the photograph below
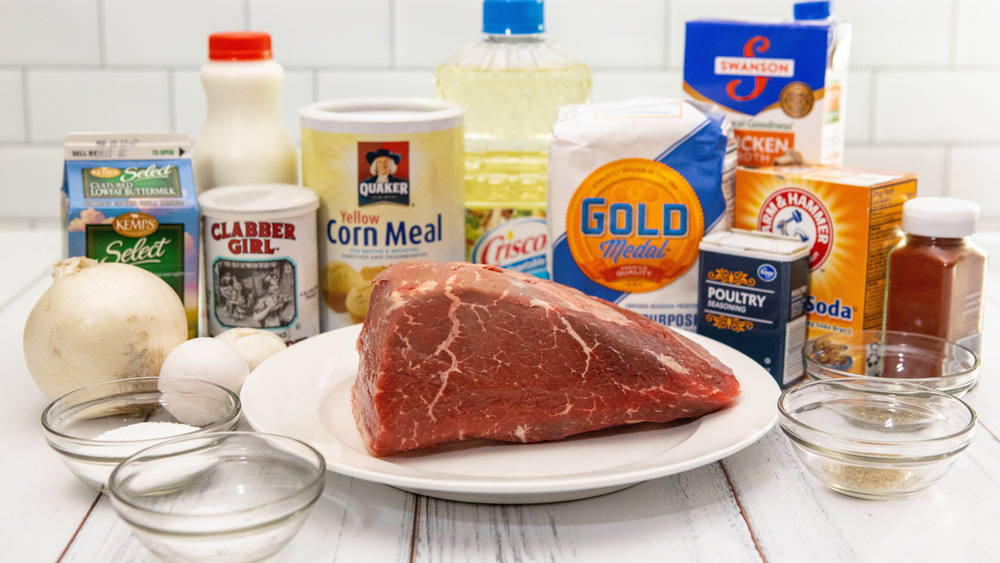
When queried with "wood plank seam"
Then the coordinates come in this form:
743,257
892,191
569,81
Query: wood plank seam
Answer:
76,532
26,288
418,500
743,512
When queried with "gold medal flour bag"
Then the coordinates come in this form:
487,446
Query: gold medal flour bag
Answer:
633,188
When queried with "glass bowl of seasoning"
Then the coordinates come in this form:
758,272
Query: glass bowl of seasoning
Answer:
227,496
96,427
875,438
917,358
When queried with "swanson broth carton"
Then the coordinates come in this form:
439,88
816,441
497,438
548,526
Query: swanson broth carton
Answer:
782,84
131,199
849,217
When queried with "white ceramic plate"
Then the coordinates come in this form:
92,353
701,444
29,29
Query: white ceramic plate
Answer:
304,392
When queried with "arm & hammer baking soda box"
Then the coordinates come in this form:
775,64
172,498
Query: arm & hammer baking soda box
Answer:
849,217
131,199
782,84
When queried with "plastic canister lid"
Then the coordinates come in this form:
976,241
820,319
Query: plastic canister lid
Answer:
257,201
362,116
513,17
239,46
813,10
944,217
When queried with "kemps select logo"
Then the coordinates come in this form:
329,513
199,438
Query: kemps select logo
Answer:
798,213
383,173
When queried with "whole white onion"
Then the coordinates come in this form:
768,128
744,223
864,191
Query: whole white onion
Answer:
100,322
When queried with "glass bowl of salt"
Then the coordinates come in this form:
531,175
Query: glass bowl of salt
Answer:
94,428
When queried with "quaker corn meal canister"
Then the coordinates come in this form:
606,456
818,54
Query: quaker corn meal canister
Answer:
260,259
389,175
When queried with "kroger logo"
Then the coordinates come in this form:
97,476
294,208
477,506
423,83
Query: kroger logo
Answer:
767,272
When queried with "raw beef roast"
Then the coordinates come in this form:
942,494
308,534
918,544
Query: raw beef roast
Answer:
454,351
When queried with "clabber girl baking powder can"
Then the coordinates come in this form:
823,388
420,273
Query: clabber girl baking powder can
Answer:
388,172
260,259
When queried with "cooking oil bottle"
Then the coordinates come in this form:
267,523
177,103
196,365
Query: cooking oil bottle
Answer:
512,84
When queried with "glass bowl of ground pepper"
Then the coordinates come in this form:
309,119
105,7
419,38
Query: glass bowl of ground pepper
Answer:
917,358
94,428
875,438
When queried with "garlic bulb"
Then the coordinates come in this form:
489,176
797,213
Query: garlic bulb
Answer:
254,344
100,322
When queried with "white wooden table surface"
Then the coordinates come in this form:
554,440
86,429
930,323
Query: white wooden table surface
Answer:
756,505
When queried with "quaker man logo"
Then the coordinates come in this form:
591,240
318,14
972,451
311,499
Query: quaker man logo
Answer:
796,212
383,173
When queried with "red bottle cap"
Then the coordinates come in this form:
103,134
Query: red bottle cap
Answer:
239,46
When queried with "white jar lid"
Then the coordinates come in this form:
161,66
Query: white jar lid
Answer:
257,201
945,217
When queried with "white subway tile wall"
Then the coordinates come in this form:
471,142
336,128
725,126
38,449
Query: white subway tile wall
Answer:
923,72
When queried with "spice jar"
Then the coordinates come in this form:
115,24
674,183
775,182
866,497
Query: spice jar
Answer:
937,274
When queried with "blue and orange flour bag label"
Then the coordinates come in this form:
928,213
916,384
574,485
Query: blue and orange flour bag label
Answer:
753,289
782,84
633,188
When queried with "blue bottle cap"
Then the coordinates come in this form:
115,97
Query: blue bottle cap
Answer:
513,17
813,10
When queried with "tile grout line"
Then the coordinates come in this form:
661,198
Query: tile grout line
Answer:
172,99
392,34
102,42
666,41
953,29
873,101
26,105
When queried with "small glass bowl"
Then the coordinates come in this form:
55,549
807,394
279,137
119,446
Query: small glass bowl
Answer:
77,425
875,438
228,496
927,360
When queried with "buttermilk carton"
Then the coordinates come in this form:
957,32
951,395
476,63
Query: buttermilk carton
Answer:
782,84
131,199
849,217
